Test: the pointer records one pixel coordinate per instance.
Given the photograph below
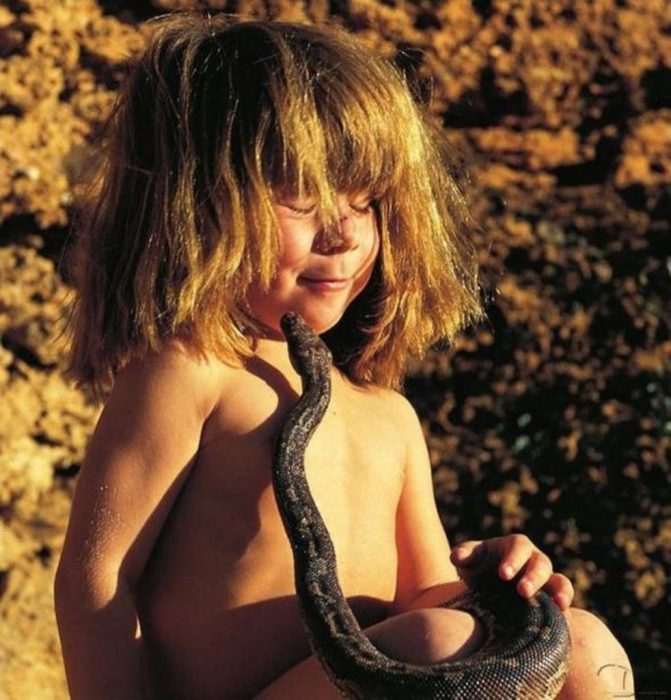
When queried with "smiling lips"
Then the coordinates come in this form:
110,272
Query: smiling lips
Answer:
324,284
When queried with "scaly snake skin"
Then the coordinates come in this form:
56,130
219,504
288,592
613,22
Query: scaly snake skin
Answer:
525,654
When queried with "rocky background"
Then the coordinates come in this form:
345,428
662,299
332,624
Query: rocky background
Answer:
553,418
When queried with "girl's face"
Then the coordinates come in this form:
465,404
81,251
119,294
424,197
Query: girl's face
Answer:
320,271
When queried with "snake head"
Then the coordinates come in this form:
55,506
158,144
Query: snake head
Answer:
308,352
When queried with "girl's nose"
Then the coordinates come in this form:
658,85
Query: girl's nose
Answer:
339,235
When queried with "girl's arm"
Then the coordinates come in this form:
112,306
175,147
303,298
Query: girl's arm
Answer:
139,457
428,572
426,576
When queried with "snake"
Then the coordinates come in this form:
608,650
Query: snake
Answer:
526,647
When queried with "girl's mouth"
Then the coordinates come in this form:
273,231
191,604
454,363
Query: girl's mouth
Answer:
324,284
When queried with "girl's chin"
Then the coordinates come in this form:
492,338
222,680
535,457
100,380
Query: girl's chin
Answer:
319,322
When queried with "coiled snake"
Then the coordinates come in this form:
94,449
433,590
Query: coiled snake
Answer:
525,654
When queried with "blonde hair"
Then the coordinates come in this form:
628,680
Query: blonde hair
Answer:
214,117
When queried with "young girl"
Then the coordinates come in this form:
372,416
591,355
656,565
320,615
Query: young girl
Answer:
254,169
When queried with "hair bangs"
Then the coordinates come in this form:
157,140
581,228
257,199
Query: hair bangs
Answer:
364,150
335,120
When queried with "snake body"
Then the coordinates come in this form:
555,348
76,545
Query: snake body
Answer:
525,655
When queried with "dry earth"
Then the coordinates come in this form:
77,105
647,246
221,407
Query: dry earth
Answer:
554,418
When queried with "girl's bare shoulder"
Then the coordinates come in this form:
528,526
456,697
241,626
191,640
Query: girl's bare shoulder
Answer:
389,404
176,369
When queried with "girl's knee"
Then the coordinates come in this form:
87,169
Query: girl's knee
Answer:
428,636
599,664
589,633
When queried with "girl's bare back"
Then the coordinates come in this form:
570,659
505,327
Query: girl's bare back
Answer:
217,605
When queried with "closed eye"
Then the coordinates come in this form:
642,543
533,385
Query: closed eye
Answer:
303,211
362,207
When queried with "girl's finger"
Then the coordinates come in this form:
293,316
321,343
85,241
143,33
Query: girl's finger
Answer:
560,589
467,554
537,573
516,552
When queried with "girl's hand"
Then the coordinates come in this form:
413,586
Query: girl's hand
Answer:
512,556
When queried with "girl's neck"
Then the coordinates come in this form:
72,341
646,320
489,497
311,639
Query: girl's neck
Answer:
272,348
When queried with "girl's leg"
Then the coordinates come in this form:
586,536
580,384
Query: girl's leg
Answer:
600,668
422,636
